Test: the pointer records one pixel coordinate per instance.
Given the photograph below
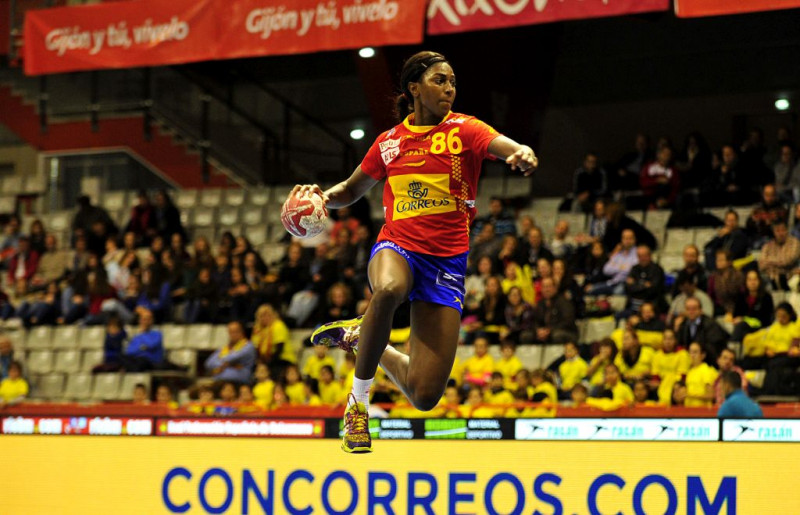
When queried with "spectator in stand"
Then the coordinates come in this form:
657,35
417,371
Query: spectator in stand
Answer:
566,284
88,215
14,388
503,222
293,386
177,246
631,165
89,307
698,327
156,293
778,257
508,364
660,181
264,386
167,218
533,249
694,163
753,150
520,277
202,299
6,355
475,284
234,362
736,404
634,360
23,264
113,345
572,370
227,392
641,393
678,396
43,308
330,391
589,184
597,224
754,308
730,237
647,319
668,366
699,379
544,390
145,351
492,308
497,395
782,344
202,256
477,369
143,221
606,354
338,304
36,236
486,243
614,393
725,284
240,296
52,264
140,396
593,266
645,282
554,316
316,361
769,211
688,289
727,363
345,221
323,270
562,245
617,223
519,319
724,186
619,265
221,274
692,268
578,395
356,273
787,173
509,250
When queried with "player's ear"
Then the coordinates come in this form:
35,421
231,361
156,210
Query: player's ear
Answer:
413,87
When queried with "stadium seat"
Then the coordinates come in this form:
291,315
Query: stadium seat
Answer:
234,197
464,352
174,336
92,337
253,215
228,216
671,263
115,201
18,337
657,219
618,302
577,221
599,328
186,216
12,184
279,194
59,221
40,337
256,234
185,199
204,217
517,186
65,337
272,214
40,362
91,358
35,184
703,236
530,355
219,336
129,381
677,239
259,197
637,216
185,358
551,352
494,352
719,212
106,387
199,336
210,197
79,387
491,187
8,204
50,386
68,361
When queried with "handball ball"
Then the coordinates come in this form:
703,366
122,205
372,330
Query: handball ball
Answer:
304,216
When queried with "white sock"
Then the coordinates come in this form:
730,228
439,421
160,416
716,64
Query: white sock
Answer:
361,391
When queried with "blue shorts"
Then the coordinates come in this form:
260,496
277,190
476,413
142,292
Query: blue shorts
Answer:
439,280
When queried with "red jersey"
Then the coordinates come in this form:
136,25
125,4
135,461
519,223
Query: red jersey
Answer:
431,177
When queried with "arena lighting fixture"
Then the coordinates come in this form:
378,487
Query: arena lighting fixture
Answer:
782,104
357,134
366,52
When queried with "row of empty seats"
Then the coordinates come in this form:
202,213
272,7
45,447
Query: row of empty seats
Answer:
85,387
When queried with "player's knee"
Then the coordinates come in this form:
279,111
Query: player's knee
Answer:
389,295
425,399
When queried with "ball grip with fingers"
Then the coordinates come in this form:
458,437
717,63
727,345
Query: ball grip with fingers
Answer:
304,214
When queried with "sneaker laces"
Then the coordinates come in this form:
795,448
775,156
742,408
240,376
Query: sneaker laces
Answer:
357,422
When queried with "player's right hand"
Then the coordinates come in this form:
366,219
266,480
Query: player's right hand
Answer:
301,190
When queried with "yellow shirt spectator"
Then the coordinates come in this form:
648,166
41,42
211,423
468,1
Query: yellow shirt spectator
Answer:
296,393
478,366
549,390
314,363
669,367
572,371
779,337
331,393
262,393
11,389
266,339
598,377
508,367
698,379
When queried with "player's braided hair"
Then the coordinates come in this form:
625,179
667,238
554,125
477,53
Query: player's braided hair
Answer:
413,69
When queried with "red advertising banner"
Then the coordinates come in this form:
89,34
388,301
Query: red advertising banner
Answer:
449,16
696,8
153,32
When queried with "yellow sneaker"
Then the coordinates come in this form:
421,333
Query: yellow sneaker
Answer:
342,333
356,428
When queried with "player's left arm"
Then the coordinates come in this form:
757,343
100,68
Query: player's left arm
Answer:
518,156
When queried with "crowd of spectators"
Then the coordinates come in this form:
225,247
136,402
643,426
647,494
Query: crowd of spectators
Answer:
523,287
